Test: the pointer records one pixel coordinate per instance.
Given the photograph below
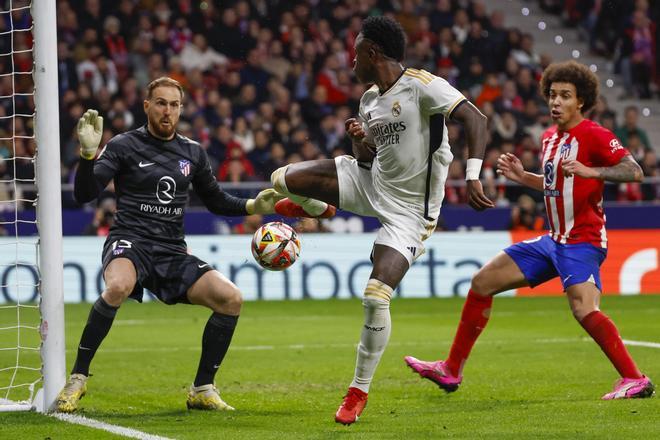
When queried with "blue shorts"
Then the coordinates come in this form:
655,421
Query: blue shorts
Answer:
541,259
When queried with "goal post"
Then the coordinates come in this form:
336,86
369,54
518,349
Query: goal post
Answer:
49,202
32,354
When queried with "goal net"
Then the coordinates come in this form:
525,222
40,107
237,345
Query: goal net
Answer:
31,314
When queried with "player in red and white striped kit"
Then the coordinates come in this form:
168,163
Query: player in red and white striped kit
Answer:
578,155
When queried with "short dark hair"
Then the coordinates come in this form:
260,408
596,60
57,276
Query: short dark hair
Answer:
585,81
163,81
386,33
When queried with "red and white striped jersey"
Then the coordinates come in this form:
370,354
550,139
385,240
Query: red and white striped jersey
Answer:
575,205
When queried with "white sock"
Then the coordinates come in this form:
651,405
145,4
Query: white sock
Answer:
312,207
375,332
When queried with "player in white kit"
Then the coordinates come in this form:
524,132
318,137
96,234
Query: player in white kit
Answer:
398,174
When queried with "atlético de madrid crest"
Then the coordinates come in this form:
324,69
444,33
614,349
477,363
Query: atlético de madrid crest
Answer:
184,166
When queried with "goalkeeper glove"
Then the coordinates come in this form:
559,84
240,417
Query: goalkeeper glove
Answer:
264,203
90,129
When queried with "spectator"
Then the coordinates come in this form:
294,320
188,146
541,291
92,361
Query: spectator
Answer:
243,135
249,225
276,63
456,194
630,126
525,55
5,187
315,108
180,35
509,100
198,55
490,90
104,217
506,128
310,225
126,13
497,37
228,37
477,45
527,86
276,158
254,73
461,27
651,168
66,69
526,216
229,171
260,154
115,45
636,148
637,57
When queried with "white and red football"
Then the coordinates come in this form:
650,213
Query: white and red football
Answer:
275,246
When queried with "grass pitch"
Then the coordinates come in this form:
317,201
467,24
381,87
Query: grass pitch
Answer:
533,374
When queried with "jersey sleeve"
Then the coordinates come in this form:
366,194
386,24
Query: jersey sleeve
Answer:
92,176
606,149
109,160
438,96
215,199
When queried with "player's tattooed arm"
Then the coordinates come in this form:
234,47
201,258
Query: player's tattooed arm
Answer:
627,170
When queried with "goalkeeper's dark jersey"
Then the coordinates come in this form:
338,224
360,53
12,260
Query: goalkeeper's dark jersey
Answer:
151,178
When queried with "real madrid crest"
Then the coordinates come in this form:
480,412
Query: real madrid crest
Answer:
396,109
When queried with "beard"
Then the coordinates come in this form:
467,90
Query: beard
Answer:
163,131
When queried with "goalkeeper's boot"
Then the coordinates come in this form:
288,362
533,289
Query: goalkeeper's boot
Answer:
74,390
288,208
625,388
206,397
354,402
437,372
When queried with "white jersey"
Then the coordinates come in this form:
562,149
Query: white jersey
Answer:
406,123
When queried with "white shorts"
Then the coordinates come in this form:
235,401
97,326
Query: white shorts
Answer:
403,228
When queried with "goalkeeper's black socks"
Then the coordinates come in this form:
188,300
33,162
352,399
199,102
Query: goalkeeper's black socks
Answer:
215,343
98,325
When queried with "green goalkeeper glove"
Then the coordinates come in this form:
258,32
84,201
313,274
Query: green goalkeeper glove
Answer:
264,203
90,129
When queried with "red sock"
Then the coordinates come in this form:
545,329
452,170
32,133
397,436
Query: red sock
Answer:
474,318
601,328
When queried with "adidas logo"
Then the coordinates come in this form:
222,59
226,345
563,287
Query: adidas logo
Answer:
412,249
267,237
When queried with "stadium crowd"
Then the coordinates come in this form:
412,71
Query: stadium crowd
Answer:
270,82
621,30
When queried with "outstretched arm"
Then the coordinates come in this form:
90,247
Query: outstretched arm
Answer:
627,170
221,203
474,123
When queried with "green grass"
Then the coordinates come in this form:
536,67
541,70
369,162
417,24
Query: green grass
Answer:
532,374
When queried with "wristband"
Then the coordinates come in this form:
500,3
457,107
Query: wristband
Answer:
473,169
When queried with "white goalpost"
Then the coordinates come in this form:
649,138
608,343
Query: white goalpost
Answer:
32,359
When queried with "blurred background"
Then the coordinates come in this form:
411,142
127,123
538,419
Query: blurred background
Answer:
270,82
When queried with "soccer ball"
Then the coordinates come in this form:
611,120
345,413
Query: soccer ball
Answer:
275,246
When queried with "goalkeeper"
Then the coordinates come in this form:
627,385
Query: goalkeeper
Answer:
152,168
